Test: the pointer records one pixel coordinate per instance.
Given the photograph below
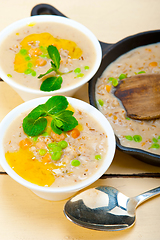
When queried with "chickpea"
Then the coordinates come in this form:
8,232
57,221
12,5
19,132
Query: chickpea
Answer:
57,137
35,52
41,62
40,145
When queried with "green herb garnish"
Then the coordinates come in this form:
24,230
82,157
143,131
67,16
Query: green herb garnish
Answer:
62,120
52,83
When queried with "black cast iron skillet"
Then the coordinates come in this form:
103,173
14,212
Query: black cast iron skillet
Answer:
110,53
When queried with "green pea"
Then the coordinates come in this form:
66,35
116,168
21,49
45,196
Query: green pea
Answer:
27,58
51,145
100,101
43,56
75,163
98,157
63,144
23,51
86,68
77,70
127,118
56,156
154,140
42,152
56,149
29,65
122,76
34,73
158,137
155,145
141,72
80,75
128,137
9,75
137,138
35,138
28,71
114,81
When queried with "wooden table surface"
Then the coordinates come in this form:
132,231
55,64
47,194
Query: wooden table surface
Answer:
23,215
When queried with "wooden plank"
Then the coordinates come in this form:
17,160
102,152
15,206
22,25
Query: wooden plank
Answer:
27,216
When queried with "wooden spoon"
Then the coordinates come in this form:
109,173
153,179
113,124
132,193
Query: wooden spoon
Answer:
140,96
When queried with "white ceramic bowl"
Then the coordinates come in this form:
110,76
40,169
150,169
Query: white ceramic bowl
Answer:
29,93
53,193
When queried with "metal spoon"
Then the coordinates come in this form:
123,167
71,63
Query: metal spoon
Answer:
105,208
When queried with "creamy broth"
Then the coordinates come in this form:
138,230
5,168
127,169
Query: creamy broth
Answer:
69,61
144,135
88,149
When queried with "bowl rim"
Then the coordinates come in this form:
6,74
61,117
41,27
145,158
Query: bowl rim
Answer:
13,114
57,19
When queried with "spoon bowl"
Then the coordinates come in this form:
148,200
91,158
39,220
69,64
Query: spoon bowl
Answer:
105,208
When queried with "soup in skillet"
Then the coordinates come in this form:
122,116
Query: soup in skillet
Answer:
143,135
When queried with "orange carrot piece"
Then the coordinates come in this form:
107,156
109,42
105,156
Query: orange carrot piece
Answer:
153,64
74,133
25,143
108,88
46,158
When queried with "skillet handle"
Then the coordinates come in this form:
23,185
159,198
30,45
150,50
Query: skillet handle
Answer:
105,47
45,9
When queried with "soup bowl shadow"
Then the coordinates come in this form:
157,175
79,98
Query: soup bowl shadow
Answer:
27,93
58,193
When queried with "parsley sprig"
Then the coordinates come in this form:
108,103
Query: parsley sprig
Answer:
52,83
62,120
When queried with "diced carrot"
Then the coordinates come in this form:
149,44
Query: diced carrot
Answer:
74,133
115,117
46,158
143,143
108,88
25,143
148,49
153,64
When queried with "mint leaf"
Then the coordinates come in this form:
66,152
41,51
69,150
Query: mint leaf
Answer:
62,120
51,84
34,127
56,104
54,55
49,71
69,122
37,112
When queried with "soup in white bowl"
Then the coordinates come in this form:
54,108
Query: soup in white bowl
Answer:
59,151
34,70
